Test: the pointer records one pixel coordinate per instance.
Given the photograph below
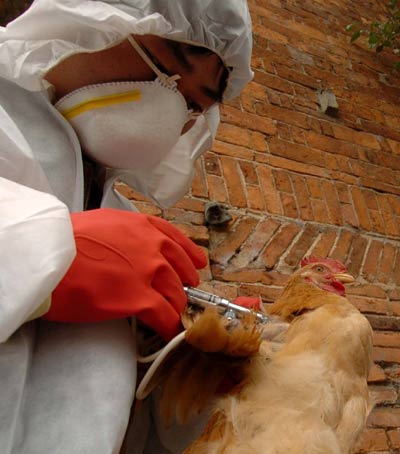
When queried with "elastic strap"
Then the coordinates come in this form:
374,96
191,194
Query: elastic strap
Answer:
170,80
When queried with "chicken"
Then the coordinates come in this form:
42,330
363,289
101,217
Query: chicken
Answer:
311,396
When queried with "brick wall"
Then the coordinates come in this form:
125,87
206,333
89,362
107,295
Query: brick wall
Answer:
297,181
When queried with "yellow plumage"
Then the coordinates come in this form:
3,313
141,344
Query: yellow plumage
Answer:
310,396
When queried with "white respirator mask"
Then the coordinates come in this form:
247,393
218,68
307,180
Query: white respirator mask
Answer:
128,125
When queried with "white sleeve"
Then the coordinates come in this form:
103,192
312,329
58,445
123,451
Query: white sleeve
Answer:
36,240
37,247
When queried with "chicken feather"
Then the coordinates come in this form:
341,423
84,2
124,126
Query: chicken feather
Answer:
311,396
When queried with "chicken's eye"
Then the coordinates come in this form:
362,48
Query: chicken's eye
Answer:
319,269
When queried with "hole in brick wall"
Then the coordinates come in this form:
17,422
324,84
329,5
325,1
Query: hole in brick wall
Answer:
216,214
328,103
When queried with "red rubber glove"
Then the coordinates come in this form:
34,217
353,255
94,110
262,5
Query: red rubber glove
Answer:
249,302
127,264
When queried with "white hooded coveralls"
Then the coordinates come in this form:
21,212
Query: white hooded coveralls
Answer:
68,388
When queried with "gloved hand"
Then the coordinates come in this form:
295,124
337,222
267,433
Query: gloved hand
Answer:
127,264
250,302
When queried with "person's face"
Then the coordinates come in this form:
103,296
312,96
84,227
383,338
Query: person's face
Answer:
201,74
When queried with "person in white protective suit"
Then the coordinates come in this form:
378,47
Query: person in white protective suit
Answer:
92,91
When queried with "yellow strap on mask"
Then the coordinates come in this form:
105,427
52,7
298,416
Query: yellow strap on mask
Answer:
103,101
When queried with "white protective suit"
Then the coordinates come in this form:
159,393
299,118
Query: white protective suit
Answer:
65,388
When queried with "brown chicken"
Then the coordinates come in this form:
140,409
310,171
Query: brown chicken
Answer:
311,396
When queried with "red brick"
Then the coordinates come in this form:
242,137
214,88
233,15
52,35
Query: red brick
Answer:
198,233
274,82
332,202
258,141
302,196
377,224
315,188
376,374
372,440
234,151
386,339
247,120
217,189
254,90
233,274
342,246
255,243
191,204
301,246
271,196
361,208
331,145
268,294
269,34
371,263
284,131
387,263
299,167
249,172
324,244
394,294
369,305
391,186
234,134
343,192
298,135
233,181
278,245
393,373
392,227
199,182
148,208
388,355
211,164
289,205
311,32
181,216
320,211
394,146
285,115
370,200
384,417
224,250
296,152
360,138
349,216
296,77
205,273
394,437
396,271
255,198
129,192
282,180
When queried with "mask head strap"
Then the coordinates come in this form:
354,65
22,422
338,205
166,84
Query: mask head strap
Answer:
170,80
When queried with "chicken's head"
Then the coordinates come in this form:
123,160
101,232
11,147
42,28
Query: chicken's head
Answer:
326,273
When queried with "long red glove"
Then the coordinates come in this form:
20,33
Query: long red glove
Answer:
248,301
127,264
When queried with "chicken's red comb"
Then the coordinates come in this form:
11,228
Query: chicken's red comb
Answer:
335,265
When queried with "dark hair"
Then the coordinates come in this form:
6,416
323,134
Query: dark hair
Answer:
182,49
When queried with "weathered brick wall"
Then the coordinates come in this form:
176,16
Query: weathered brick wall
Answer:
298,181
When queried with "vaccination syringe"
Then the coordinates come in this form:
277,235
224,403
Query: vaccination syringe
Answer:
223,305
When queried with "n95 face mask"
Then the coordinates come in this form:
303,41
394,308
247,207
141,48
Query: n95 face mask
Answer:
127,125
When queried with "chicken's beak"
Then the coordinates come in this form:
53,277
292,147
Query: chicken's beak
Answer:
344,278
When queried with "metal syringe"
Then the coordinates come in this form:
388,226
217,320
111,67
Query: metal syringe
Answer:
223,305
